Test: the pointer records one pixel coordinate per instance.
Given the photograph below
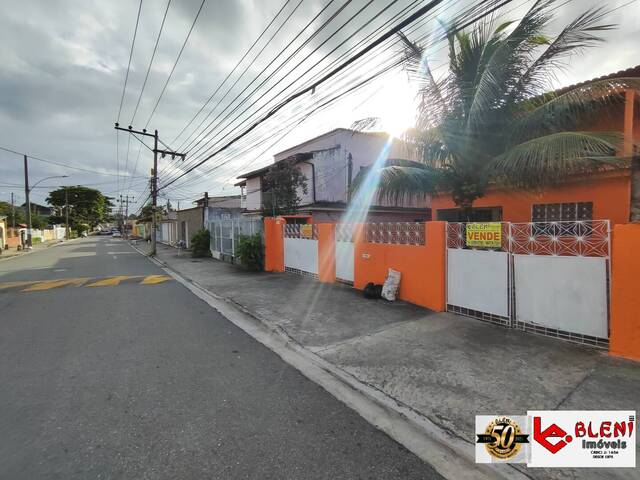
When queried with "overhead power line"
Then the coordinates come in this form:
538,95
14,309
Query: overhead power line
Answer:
204,105
133,42
184,44
60,164
155,48
332,73
319,82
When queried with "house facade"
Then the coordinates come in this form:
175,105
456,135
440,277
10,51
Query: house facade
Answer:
330,163
601,195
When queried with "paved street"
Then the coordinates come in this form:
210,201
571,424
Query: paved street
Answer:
109,369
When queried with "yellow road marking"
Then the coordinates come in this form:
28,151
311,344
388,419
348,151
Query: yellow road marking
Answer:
47,285
155,279
15,284
108,282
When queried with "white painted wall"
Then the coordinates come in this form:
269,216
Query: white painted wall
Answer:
567,293
301,254
478,280
344,261
254,195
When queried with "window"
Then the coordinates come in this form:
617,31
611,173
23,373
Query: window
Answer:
488,214
545,213
565,212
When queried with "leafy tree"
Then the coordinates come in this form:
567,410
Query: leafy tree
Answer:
146,213
280,188
489,121
8,211
86,206
39,222
200,243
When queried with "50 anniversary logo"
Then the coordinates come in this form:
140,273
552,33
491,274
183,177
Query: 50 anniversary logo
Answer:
558,439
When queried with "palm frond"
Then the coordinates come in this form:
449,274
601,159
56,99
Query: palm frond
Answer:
402,179
366,124
583,32
399,183
552,158
552,112
504,60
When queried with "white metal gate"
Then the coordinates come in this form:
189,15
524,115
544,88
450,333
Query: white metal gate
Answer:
549,278
301,249
344,252
478,281
561,278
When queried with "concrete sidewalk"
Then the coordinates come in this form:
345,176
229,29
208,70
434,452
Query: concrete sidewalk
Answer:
14,252
445,367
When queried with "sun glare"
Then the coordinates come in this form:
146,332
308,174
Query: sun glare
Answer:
397,105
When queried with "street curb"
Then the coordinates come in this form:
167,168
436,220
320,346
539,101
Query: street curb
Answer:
37,250
450,455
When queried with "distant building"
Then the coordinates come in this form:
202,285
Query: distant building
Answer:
37,209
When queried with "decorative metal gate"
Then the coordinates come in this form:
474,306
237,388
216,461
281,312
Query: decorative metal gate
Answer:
549,278
344,252
561,279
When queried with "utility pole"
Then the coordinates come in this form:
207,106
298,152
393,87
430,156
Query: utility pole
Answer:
154,174
66,212
126,202
13,215
27,203
154,191
205,206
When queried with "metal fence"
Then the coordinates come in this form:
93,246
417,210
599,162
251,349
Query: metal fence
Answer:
225,234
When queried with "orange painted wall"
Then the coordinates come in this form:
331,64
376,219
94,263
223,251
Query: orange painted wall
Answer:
422,267
609,194
274,244
625,295
326,252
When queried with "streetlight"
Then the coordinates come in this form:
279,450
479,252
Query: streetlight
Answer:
27,191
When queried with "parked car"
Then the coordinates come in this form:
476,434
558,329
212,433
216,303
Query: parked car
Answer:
117,234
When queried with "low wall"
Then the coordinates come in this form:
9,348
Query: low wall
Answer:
423,279
624,326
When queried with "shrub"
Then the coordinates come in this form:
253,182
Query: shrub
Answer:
250,251
200,244
35,240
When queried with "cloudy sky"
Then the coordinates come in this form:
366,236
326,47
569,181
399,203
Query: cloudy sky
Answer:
64,64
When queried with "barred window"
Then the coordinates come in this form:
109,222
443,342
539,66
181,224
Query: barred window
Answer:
561,212
565,212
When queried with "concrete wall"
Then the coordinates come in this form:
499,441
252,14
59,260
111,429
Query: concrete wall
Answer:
624,326
192,218
254,195
608,192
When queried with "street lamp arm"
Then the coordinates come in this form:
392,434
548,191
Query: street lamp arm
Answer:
46,178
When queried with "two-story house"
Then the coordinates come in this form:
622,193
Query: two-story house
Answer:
330,163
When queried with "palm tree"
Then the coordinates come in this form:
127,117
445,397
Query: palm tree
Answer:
488,121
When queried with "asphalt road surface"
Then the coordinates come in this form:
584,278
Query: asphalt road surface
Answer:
109,369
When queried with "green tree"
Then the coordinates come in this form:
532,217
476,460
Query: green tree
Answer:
8,211
145,214
86,206
489,120
39,222
280,188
